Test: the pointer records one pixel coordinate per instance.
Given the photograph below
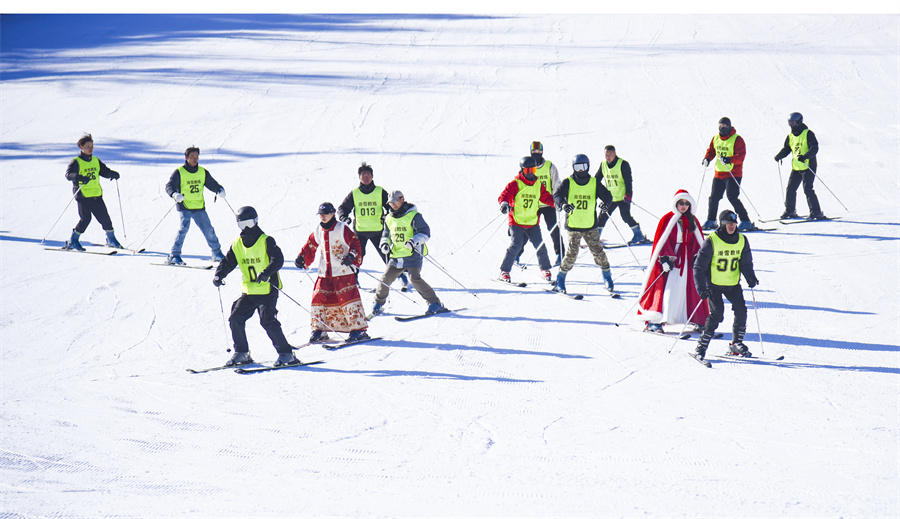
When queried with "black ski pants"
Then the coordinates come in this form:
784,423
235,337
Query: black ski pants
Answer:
375,238
550,220
624,211
807,177
244,307
735,295
731,188
96,207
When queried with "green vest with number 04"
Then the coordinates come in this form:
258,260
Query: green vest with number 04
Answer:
584,198
726,263
614,180
401,231
525,205
91,169
367,210
252,261
192,187
799,146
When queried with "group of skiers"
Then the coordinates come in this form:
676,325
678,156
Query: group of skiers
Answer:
686,268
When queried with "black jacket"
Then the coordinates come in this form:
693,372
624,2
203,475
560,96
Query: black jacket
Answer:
249,237
810,139
561,196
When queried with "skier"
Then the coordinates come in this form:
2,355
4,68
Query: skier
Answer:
577,196
547,174
403,240
523,194
615,173
728,150
85,171
336,304
672,296
259,260
723,257
368,204
802,144
185,186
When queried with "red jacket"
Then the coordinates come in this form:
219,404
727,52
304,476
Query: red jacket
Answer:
512,189
737,160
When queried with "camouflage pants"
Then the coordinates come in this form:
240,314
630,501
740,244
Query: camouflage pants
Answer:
592,237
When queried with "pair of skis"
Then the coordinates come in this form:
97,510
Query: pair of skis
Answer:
99,250
577,297
244,369
407,318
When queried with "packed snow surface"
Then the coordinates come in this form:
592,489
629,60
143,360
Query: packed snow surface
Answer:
525,403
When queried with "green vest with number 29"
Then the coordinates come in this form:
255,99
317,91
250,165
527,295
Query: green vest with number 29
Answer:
401,231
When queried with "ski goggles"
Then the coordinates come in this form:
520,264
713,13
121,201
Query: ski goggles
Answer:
580,167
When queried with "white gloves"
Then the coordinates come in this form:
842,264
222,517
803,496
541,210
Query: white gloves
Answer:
178,197
222,192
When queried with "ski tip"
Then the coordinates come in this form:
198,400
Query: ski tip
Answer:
780,358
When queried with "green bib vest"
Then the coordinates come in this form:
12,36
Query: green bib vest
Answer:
799,146
91,169
614,180
584,198
367,210
252,261
192,188
525,205
543,175
401,231
726,263
724,148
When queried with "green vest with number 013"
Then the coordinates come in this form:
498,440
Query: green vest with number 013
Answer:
401,231
525,205
192,187
799,146
252,261
90,168
724,148
367,210
615,182
584,198
726,263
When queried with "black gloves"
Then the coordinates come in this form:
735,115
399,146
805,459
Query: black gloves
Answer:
704,293
504,208
704,162
752,282
726,160
802,158
568,208
667,262
262,277
345,219
217,281
114,175
300,263
348,259
83,179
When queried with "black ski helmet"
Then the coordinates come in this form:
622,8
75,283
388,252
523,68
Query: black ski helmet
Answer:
581,159
527,162
245,215
727,216
796,118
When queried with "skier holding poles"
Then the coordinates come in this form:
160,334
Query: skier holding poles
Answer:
85,171
723,257
802,144
259,259
520,199
615,172
728,150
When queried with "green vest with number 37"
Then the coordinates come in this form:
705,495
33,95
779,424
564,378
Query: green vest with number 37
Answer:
252,261
525,206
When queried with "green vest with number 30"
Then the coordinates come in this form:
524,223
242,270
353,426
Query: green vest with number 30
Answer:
584,198
726,262
252,261
192,187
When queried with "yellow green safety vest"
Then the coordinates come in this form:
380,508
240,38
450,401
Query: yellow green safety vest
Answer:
252,261
367,209
726,262
525,205
724,148
192,188
90,168
401,231
614,180
799,146
543,175
584,198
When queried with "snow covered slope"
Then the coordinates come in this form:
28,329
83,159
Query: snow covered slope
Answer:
525,403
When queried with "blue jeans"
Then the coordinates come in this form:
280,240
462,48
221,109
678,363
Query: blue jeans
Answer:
202,219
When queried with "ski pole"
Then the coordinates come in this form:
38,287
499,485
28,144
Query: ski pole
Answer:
442,269
758,327
636,260
388,286
781,181
639,298
309,312
829,190
702,178
646,211
476,234
225,324
122,214
742,190
138,248
63,212
686,325
536,249
489,237
216,197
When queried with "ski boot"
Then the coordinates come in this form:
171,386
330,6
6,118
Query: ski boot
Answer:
435,308
377,309
239,359
73,242
816,215
318,336
654,327
545,274
702,344
404,281
357,335
504,276
111,240
746,226
217,255
638,236
287,359
560,283
709,225
607,277
174,259
737,346
789,215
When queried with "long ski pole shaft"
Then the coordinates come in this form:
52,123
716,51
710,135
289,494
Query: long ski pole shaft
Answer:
781,181
633,255
121,212
829,190
686,324
442,269
389,287
758,327
542,244
285,294
476,234
742,190
489,237
639,298
62,213
226,203
702,179
154,228
646,211
224,323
